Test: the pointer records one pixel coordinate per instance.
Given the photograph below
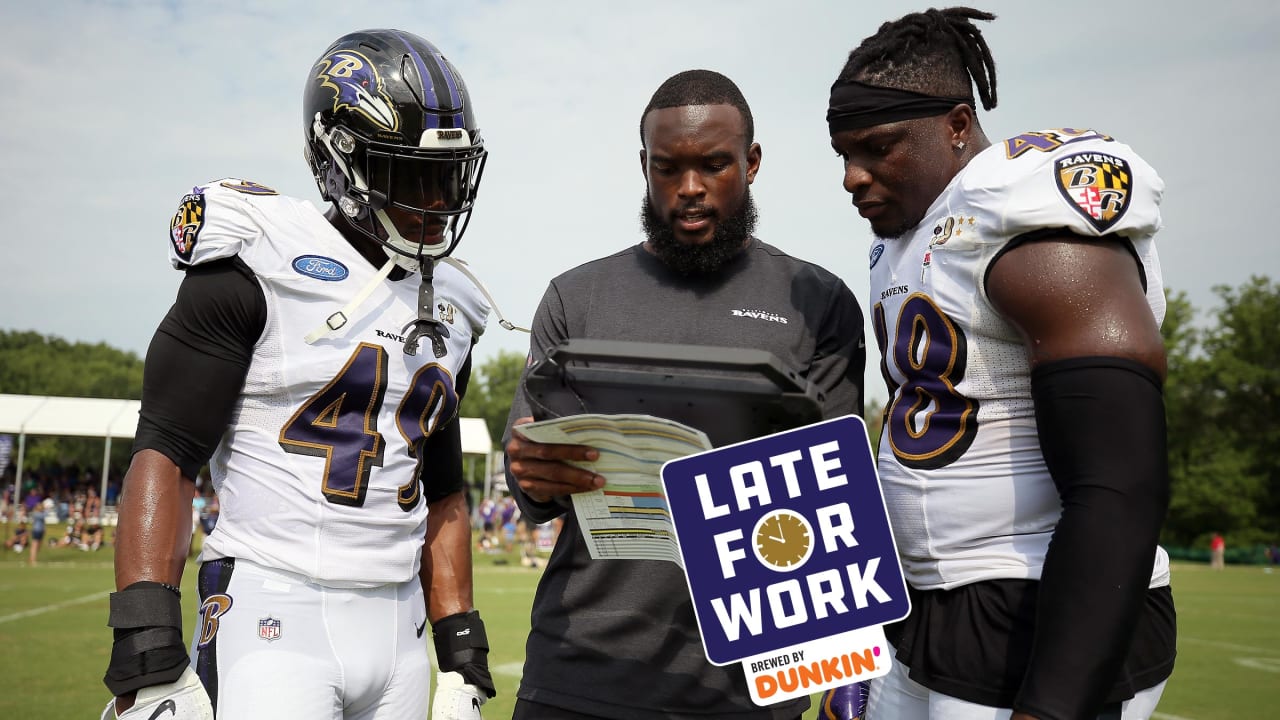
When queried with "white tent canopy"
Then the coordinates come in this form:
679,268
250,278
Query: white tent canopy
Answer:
475,436
24,415
477,441
78,417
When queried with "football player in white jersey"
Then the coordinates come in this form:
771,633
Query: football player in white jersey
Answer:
315,362
1016,297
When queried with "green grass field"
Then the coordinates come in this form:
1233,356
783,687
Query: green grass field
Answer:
54,642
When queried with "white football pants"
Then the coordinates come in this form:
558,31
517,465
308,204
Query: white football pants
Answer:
270,645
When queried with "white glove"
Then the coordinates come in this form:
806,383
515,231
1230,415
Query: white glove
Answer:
455,699
183,699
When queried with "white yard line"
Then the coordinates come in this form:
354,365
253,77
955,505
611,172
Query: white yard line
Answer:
56,606
512,669
1230,646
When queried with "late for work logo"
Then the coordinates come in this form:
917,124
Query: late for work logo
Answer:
788,553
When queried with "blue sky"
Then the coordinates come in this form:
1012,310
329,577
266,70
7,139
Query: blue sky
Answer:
112,110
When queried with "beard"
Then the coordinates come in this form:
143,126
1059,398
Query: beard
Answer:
727,240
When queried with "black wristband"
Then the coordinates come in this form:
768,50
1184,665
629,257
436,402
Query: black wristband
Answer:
463,647
148,650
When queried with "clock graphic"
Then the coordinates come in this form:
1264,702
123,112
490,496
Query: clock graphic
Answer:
783,540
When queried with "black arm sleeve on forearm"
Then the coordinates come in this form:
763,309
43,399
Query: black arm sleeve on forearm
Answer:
442,462
197,362
1101,424
441,452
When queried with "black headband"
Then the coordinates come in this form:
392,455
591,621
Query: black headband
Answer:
855,105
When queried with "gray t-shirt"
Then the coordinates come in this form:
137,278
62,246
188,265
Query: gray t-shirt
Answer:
618,638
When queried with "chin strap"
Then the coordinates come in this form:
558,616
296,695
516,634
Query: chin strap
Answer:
426,323
462,268
337,320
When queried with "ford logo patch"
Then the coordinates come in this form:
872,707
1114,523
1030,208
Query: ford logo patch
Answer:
876,252
320,268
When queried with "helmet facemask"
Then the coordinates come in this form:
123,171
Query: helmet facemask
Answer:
429,187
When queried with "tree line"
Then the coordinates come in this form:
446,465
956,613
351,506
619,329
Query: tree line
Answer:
1222,400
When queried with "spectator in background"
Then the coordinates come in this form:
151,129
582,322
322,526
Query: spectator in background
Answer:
198,504
37,534
92,506
21,535
507,526
92,521
1217,552
64,504
209,515
74,536
488,508
526,537
33,497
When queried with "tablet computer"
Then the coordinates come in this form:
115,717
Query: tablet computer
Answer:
731,394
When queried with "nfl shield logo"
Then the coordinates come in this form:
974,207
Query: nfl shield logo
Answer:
269,628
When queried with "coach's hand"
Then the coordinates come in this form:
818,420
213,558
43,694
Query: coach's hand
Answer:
543,470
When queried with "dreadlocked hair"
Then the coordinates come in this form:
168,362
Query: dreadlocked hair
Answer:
937,52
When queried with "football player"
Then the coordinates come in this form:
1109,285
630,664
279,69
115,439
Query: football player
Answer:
316,361
1016,298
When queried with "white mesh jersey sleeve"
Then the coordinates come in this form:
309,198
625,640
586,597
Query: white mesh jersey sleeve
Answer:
1080,180
218,219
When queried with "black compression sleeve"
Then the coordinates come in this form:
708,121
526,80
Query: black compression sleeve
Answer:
1101,424
442,462
464,376
197,362
441,452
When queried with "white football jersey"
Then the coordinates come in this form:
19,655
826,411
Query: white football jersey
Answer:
965,482
317,473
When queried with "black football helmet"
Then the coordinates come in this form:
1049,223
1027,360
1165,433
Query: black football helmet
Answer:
389,125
